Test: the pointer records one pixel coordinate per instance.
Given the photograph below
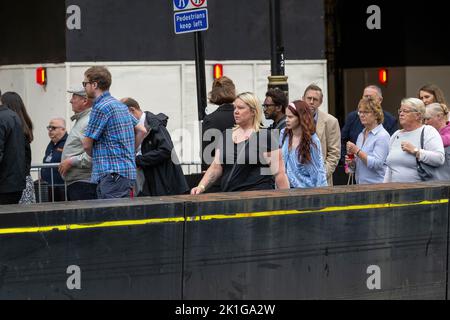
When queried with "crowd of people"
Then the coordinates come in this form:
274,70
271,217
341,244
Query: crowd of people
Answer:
117,150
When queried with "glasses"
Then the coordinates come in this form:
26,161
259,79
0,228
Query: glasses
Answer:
51,128
405,111
266,105
85,83
364,113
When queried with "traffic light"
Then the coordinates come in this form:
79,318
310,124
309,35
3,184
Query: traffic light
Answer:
383,76
41,76
218,71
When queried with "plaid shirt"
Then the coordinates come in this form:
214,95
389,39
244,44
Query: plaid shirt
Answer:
112,128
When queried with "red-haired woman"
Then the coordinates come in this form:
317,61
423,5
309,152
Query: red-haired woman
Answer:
301,148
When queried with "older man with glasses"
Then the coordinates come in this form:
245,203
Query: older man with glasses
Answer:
58,136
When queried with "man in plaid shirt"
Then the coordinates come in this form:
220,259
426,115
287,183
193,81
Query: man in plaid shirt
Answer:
111,138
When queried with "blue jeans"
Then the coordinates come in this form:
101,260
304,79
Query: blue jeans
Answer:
113,185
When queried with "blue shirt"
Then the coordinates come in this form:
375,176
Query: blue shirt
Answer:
376,147
353,126
112,128
309,175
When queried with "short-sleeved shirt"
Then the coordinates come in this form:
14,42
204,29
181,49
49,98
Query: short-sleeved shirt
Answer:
112,128
252,172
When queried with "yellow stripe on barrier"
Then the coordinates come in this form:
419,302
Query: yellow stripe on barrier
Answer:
323,210
127,223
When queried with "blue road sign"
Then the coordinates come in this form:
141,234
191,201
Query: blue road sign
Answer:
180,4
191,21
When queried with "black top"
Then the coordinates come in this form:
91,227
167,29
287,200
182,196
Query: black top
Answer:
221,119
12,152
27,157
251,171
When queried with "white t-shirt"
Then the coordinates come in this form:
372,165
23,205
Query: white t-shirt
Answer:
401,165
142,122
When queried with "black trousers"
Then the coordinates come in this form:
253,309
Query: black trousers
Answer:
81,191
10,198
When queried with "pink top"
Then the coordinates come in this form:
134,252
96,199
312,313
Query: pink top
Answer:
445,134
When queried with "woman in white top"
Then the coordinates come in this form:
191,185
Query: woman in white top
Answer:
405,146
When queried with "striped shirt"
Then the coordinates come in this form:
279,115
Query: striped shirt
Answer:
112,128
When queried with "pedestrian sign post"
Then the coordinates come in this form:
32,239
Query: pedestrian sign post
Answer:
191,21
191,16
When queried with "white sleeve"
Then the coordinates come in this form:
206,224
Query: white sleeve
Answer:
433,148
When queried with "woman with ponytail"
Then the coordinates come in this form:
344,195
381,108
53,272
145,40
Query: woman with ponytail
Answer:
301,148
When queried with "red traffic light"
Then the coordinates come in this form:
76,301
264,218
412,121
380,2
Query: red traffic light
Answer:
383,76
218,71
41,76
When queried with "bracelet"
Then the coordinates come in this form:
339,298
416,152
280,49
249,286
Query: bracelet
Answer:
202,187
357,153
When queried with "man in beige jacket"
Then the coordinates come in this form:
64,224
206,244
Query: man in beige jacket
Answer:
327,129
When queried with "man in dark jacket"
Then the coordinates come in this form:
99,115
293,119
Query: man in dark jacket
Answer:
58,136
163,173
12,157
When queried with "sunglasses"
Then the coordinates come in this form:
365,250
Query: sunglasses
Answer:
51,128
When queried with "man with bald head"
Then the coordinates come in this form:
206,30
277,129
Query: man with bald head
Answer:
353,126
58,136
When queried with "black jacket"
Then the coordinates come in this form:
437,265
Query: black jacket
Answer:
53,154
162,175
221,119
12,152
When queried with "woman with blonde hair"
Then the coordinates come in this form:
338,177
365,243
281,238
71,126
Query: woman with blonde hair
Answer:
413,145
247,157
369,153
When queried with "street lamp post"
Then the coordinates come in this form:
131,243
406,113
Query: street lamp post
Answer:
277,78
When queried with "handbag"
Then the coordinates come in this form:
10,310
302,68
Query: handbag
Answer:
424,170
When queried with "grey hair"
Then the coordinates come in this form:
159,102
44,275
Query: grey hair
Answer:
437,108
376,88
416,104
61,119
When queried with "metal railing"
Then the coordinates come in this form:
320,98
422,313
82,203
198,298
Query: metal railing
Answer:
191,168
44,189
40,184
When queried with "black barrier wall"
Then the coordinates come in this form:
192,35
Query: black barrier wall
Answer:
361,242
120,250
